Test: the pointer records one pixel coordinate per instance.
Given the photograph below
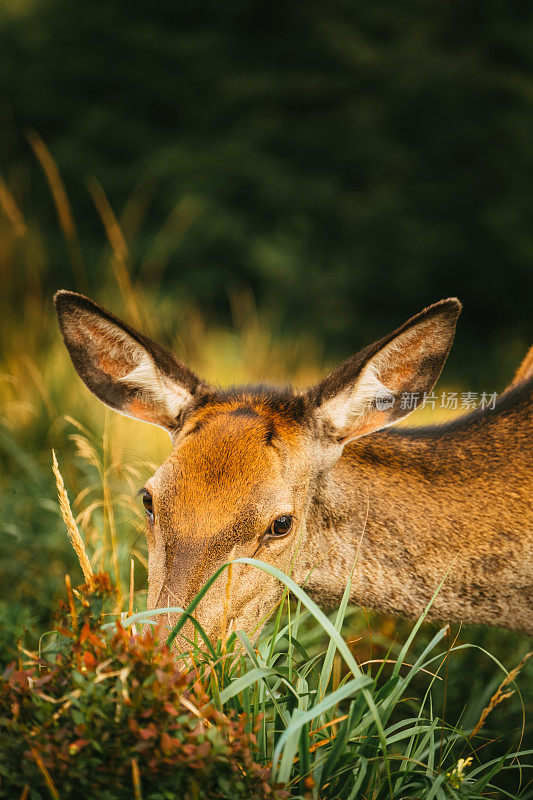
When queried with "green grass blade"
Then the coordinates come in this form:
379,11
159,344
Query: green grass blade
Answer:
329,628
243,682
292,730
416,628
332,646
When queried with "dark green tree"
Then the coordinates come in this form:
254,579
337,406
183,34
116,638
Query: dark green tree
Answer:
349,161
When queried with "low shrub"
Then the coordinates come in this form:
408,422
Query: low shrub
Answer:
107,714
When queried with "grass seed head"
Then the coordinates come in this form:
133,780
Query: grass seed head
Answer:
72,529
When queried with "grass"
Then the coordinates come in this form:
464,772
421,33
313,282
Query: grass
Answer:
329,726
349,705
337,737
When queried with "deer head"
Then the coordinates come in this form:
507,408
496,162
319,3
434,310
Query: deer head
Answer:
245,462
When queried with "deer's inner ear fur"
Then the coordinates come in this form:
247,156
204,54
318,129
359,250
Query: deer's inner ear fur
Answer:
365,393
124,369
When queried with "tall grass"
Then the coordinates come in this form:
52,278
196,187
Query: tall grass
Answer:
352,705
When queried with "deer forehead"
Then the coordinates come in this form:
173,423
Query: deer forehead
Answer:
226,469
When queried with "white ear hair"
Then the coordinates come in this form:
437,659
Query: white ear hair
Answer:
357,401
126,370
363,394
151,382
343,409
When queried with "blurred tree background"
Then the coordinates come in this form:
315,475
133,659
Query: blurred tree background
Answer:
349,162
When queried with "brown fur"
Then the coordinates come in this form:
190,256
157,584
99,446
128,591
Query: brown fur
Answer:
451,499
399,510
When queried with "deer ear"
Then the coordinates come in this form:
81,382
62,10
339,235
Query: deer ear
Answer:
364,394
124,369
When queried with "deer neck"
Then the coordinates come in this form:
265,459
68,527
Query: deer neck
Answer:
404,509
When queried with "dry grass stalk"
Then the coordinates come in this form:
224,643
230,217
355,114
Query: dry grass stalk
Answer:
500,695
136,778
171,233
72,529
46,775
51,170
85,449
64,211
110,515
11,210
25,793
110,222
227,599
73,615
40,385
132,581
118,246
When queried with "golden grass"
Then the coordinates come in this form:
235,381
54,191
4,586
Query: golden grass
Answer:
136,779
120,254
500,695
72,529
227,599
63,208
12,210
72,605
132,587
46,775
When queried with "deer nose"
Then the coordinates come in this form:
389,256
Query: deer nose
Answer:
184,572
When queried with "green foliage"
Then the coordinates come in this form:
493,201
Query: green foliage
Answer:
103,712
351,162
100,708
34,551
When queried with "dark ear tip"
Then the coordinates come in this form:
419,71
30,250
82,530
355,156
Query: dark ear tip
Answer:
67,302
62,300
450,308
453,304
64,296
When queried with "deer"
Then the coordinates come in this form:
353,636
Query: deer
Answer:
317,483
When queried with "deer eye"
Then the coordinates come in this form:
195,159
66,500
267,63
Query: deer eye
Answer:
281,525
148,503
